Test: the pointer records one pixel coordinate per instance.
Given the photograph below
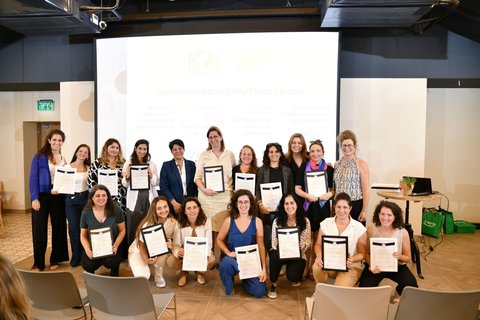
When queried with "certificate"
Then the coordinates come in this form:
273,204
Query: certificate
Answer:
248,259
271,195
109,178
195,254
139,179
155,240
64,181
214,178
316,183
381,254
288,243
101,241
335,253
245,181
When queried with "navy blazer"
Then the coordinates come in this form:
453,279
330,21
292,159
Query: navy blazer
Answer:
171,183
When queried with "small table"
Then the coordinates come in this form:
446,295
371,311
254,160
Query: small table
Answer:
408,226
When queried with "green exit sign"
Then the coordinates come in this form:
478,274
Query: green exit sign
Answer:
45,105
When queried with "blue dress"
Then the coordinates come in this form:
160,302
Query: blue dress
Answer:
228,267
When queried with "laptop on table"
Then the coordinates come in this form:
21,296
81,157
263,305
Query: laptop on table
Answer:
422,187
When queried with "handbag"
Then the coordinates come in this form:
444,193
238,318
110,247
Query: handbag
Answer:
448,225
432,222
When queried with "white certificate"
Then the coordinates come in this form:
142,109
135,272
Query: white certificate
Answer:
195,254
214,178
271,195
381,254
155,240
101,242
64,181
245,181
139,179
248,259
335,253
109,178
316,183
288,243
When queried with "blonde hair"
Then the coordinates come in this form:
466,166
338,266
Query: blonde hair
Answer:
14,303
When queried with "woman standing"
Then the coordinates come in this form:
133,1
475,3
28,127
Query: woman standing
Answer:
101,212
192,223
342,225
388,223
74,203
297,153
352,176
242,228
138,258
289,215
47,202
216,155
138,201
247,163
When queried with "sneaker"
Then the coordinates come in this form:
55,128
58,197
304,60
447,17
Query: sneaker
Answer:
161,283
200,278
272,293
296,284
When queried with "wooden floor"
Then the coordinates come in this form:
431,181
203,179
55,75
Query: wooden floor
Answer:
452,265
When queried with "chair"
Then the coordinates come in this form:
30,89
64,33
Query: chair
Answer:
55,295
335,302
416,303
125,297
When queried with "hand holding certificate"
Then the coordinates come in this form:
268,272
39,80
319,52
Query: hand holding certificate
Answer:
195,254
271,195
64,181
288,243
139,178
381,254
101,242
214,178
248,259
245,181
155,240
316,183
109,178
335,253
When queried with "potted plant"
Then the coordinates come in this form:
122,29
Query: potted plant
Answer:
406,184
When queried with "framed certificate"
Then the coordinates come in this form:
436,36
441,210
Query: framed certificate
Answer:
64,181
109,178
101,241
245,181
213,177
334,253
271,195
316,183
195,254
155,240
288,243
381,254
139,179
248,259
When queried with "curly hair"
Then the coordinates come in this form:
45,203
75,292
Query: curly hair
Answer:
347,134
183,218
396,210
232,206
266,159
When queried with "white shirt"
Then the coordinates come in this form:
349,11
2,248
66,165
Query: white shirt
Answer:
353,231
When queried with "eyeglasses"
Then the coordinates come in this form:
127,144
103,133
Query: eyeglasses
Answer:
349,146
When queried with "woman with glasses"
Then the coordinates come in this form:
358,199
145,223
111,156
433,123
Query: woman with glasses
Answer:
351,176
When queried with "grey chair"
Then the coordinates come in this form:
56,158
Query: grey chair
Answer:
55,295
346,303
416,303
126,298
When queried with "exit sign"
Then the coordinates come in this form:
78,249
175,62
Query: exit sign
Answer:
45,105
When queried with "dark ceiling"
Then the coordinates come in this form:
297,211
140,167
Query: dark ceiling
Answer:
19,18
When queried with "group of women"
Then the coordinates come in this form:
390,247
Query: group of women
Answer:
187,207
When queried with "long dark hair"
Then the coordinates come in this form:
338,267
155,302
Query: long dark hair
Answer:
46,149
87,161
134,158
232,206
283,216
266,159
183,219
109,206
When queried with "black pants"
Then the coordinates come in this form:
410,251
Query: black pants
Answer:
112,263
294,270
53,206
403,277
357,206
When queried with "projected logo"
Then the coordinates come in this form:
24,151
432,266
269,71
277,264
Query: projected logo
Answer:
203,62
